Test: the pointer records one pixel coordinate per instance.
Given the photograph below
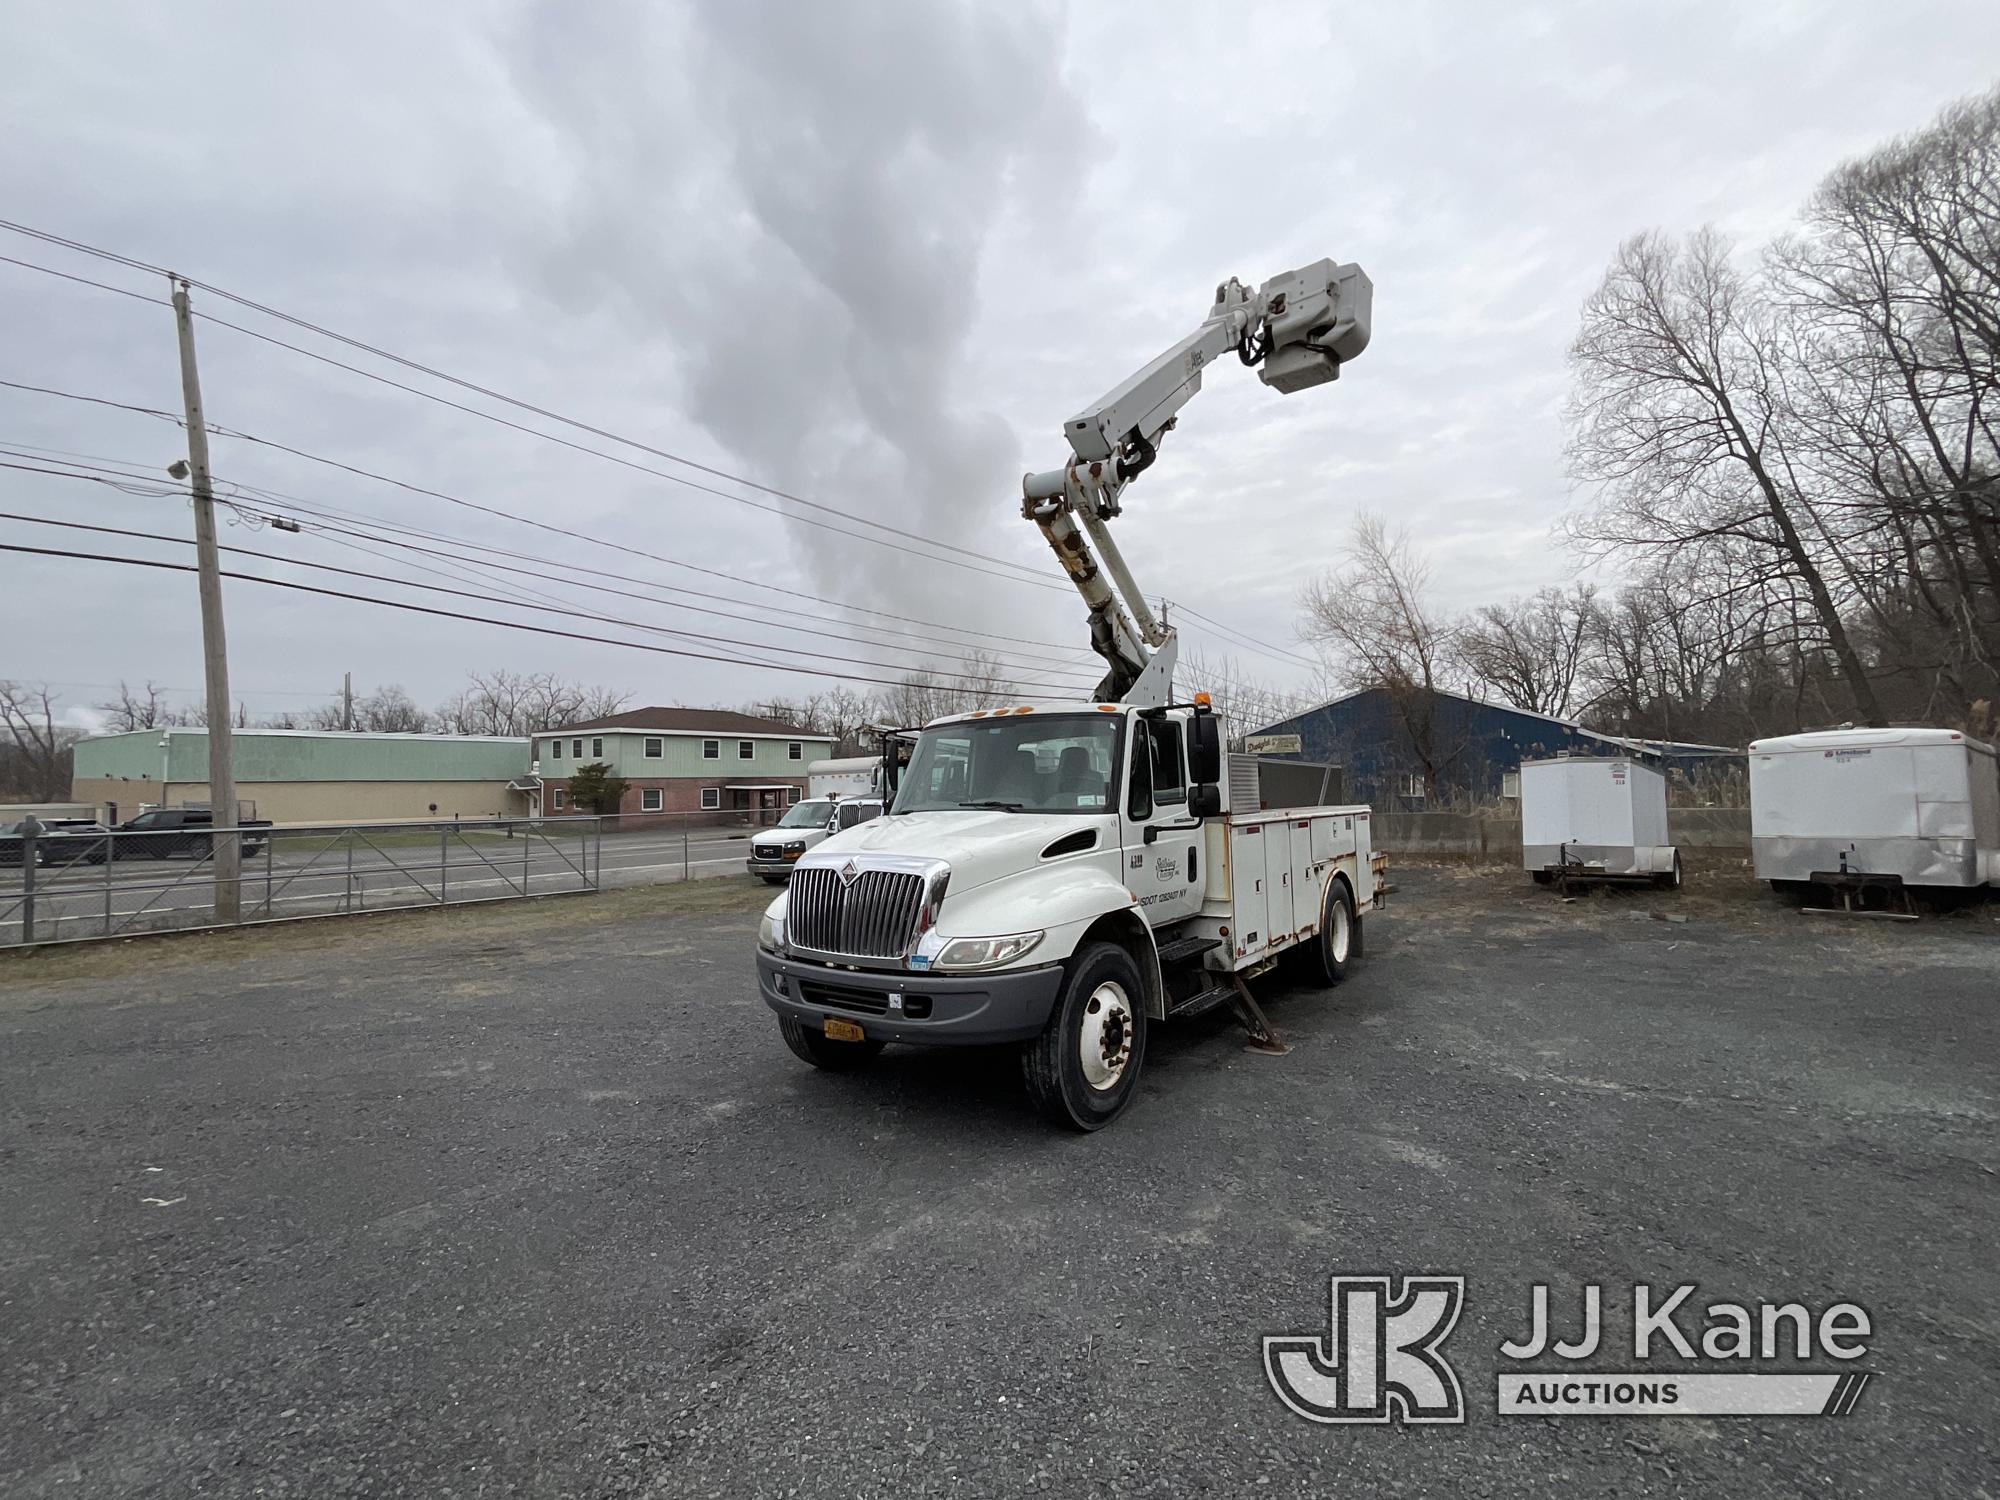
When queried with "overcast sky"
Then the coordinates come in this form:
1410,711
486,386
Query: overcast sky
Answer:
870,255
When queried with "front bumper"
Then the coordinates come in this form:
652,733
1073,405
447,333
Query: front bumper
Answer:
962,1010
770,866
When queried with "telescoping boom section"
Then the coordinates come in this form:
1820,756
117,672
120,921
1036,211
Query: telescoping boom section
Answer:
1296,330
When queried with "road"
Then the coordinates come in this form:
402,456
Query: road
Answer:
313,874
530,1200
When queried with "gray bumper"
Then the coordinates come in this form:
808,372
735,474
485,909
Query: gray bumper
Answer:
965,1010
770,866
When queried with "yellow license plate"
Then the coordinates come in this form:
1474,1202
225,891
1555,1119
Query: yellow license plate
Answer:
842,1031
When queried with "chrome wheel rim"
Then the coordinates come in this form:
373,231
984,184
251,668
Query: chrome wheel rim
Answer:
1104,1040
1341,936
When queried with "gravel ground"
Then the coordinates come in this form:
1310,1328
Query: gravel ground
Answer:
534,1201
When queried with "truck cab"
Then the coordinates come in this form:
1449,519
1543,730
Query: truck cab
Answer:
1058,878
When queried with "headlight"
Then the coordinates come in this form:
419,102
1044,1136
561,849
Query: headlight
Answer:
795,849
985,952
771,927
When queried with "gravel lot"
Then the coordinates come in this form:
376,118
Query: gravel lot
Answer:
533,1200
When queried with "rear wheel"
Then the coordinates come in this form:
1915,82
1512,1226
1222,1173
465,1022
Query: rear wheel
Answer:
1338,942
1082,1070
772,879
822,1051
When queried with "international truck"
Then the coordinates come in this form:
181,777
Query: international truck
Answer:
1062,877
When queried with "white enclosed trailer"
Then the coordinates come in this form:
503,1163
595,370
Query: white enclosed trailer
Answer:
1900,807
853,776
1600,818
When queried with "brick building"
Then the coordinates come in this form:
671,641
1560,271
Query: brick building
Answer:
738,767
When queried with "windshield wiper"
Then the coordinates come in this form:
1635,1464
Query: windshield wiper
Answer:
996,806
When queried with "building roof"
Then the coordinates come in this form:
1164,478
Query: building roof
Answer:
690,721
1644,747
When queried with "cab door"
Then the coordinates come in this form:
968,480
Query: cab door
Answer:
1162,844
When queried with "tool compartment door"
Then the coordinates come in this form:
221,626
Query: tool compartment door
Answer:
1308,877
1249,890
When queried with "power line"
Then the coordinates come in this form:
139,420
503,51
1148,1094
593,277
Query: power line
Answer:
490,599
593,541
1246,642
421,609
1022,572
1013,661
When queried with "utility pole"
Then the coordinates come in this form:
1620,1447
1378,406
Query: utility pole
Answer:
347,701
226,851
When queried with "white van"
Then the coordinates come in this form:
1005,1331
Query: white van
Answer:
773,851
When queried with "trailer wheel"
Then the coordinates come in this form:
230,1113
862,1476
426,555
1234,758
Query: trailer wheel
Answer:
1338,942
821,1051
1082,1070
1671,879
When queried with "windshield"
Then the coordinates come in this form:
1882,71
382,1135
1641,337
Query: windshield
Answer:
1030,763
807,815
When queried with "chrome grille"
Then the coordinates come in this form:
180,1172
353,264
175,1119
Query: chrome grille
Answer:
874,916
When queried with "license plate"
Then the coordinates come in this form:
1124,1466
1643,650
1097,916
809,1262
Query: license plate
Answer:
842,1031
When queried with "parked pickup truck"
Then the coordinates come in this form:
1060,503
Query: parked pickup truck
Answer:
774,851
168,831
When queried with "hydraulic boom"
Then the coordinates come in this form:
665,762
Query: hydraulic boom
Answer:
1298,328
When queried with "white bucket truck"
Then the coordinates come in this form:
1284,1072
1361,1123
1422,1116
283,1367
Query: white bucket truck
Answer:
1064,877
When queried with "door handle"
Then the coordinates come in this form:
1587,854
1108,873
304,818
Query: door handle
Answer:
1154,830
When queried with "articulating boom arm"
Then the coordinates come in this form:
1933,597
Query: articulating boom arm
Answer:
1299,327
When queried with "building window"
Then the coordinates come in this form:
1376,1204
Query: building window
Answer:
651,799
655,748
576,748
711,749
556,794
711,798
746,749
1413,785
793,795
555,749
1510,783
597,749
795,751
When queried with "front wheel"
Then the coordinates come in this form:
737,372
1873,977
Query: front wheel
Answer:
772,879
819,1049
1082,1070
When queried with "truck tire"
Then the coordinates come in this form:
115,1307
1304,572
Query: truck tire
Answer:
1084,1068
772,879
1670,880
1338,942
822,1051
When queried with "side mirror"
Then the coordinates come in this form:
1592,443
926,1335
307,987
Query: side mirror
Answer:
1204,748
1204,800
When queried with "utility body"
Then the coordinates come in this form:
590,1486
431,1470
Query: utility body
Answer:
1064,877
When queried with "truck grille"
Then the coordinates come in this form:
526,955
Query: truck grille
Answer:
874,916
766,851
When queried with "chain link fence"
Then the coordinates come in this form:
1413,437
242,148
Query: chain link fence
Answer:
69,882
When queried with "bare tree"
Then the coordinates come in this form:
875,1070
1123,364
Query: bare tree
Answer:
34,749
1682,421
978,681
129,710
1532,650
1244,703
1374,613
520,703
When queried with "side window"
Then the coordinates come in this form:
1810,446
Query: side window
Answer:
850,814
1169,773
1139,798
711,749
556,794
651,799
597,749
867,810
792,796
555,749
746,749
576,749
655,749
795,751
711,798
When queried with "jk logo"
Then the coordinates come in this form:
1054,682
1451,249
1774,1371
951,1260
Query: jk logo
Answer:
1380,1361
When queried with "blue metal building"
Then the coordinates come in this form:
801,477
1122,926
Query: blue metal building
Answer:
1478,747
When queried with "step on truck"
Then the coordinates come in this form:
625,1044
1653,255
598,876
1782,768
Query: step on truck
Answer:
1065,876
